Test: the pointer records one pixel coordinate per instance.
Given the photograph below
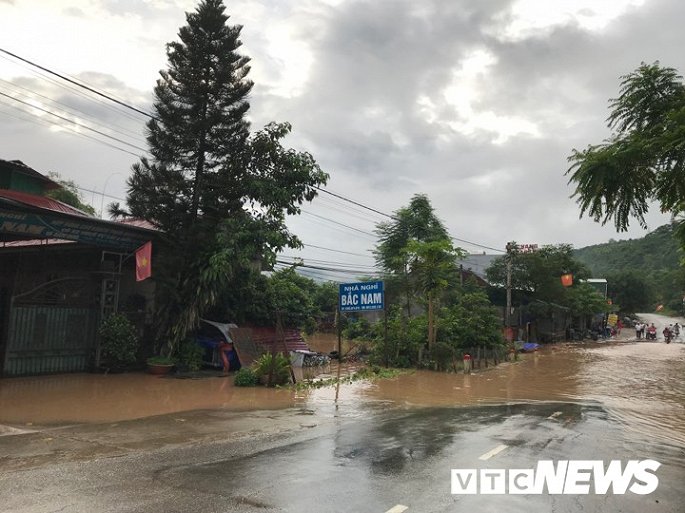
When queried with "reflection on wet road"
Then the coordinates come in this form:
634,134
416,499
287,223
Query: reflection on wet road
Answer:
398,457
385,443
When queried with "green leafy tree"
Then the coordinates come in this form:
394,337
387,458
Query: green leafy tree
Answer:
472,321
404,341
68,193
292,298
585,301
538,274
416,222
429,264
644,159
630,289
218,193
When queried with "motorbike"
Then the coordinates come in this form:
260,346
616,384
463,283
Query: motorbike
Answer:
651,333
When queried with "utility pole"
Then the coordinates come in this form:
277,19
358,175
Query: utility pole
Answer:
511,247
507,315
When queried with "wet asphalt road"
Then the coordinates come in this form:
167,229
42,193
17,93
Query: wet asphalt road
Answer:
365,460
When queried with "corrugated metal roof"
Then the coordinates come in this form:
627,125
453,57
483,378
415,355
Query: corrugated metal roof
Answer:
33,200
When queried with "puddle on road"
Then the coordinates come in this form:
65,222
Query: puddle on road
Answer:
642,384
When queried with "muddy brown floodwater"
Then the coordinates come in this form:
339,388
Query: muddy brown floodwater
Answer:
641,384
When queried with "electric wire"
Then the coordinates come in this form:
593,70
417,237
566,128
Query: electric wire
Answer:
126,132
73,122
121,103
339,223
335,250
74,90
79,84
72,130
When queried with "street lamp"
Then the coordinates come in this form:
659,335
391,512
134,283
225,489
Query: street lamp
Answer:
102,201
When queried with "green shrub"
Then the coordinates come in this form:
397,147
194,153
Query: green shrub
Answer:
273,369
245,378
190,354
118,342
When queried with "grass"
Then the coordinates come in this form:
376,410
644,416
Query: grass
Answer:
365,373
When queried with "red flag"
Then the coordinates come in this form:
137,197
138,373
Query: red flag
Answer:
567,280
144,261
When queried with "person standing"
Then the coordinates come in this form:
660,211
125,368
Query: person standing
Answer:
638,330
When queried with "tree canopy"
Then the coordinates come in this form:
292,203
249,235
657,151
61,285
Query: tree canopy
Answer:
644,159
419,259
68,194
218,192
538,273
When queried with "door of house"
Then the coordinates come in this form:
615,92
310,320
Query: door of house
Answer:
52,328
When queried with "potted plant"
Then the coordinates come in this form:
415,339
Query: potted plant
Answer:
160,364
118,343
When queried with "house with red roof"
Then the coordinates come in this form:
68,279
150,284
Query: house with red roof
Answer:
61,272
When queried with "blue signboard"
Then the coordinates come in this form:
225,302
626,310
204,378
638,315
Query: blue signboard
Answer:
355,297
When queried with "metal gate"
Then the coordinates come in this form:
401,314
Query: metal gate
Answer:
52,328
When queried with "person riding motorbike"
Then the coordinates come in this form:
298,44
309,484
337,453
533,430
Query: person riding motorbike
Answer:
667,334
651,332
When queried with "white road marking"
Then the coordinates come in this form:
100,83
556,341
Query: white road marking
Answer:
397,509
493,452
554,415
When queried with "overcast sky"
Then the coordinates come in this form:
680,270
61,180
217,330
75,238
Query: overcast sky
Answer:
476,103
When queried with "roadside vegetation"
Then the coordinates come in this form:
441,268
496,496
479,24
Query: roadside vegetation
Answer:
643,273
642,162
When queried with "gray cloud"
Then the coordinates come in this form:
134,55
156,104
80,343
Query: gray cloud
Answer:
358,111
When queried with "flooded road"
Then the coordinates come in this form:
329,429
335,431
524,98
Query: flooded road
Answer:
382,444
641,384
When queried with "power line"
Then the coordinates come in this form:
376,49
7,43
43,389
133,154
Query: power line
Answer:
339,223
300,260
72,121
353,202
79,84
73,110
139,111
37,120
339,196
322,268
336,250
100,193
74,90
478,245
345,231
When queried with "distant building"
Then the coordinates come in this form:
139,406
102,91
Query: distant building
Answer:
600,284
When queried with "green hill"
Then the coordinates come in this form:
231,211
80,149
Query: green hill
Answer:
641,273
656,251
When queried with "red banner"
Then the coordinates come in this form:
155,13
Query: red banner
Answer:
144,261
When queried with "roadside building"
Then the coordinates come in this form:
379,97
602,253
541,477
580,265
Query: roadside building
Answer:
61,272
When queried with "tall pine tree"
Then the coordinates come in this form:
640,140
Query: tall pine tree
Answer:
217,192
